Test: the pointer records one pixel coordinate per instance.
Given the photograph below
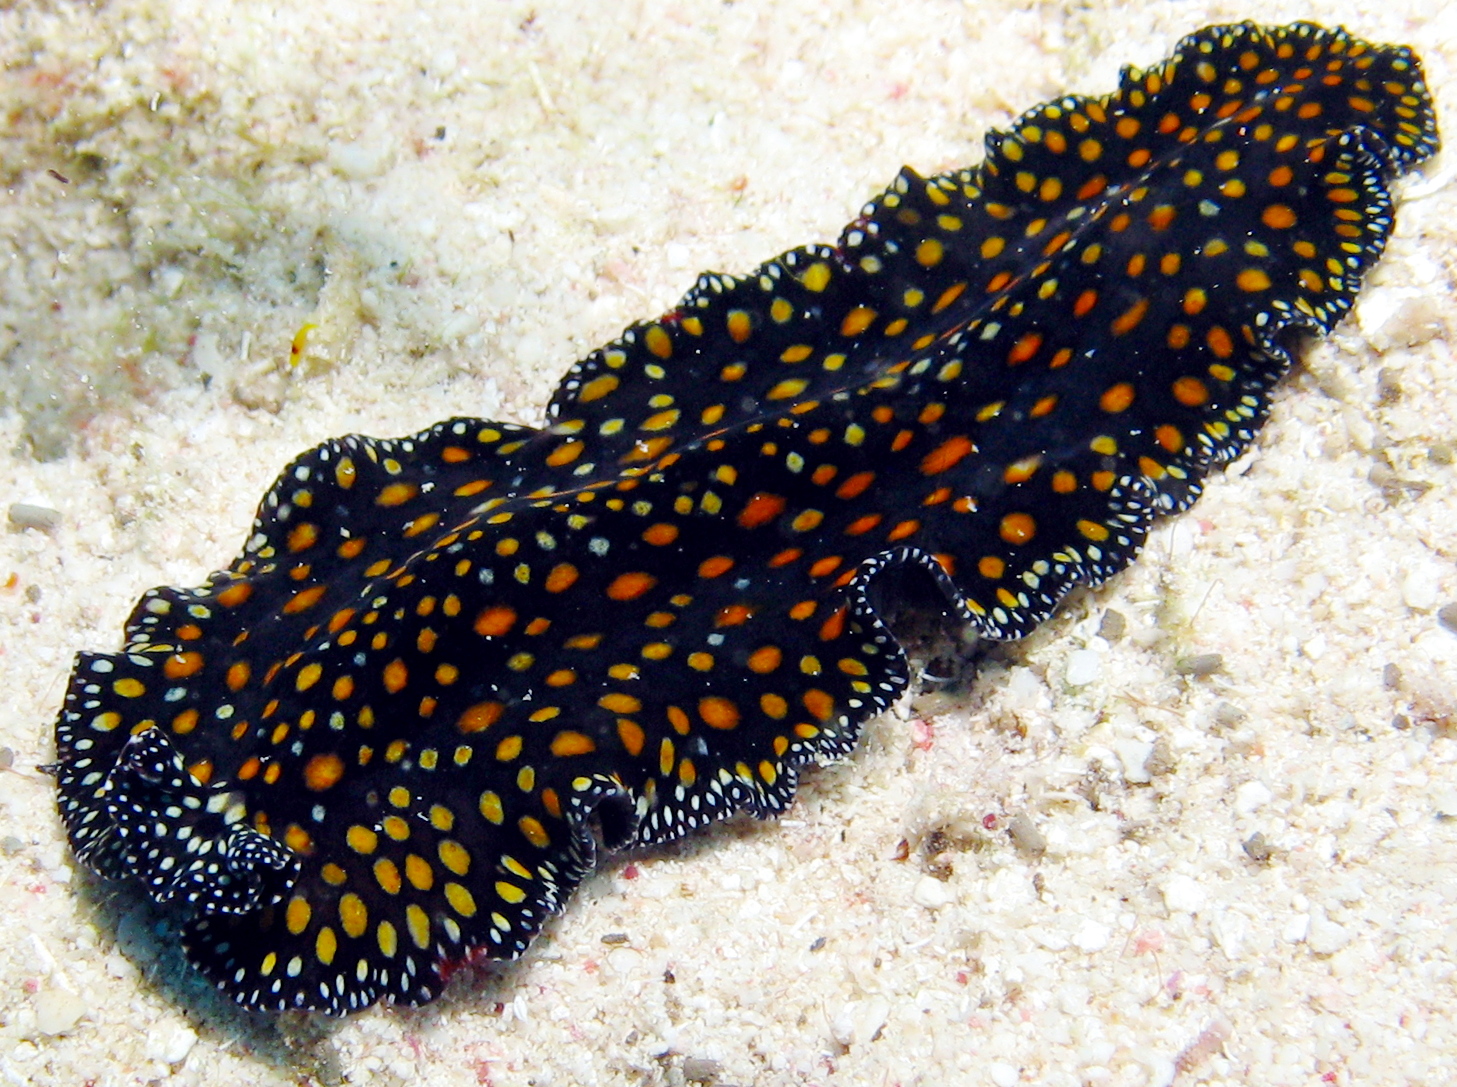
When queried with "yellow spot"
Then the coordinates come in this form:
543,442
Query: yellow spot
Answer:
353,915
326,946
490,807
817,276
419,873
387,875
1252,280
598,387
297,915
418,923
396,494
461,900
129,688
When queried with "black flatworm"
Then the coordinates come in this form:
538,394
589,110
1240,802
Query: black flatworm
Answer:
388,738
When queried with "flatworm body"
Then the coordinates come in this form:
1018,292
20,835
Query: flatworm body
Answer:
391,736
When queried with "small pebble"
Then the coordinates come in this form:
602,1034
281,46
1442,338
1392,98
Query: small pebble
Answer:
701,1069
1183,895
1003,1075
1025,835
170,1043
1447,616
7,758
1252,796
24,515
612,939
931,893
1257,848
1112,626
57,1011
1420,587
1161,760
1442,453
1092,937
1391,675
1083,667
1325,936
1200,664
11,845
1227,715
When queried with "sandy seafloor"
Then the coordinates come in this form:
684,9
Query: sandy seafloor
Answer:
1244,877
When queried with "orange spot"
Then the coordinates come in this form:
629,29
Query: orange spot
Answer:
302,537
760,510
1018,528
1064,482
321,772
479,717
182,665
1170,438
1130,318
824,566
1085,302
857,321
1178,337
562,577
1278,217
714,567
952,293
1024,349
1251,280
236,593
765,659
630,586
303,601
658,342
819,703
855,485
661,534
1190,392
1116,398
396,675
1195,299
567,743
631,735
834,626
495,621
564,454
902,530
396,494
719,713
991,567
733,615
944,456
1219,342
862,525
1161,217
785,557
